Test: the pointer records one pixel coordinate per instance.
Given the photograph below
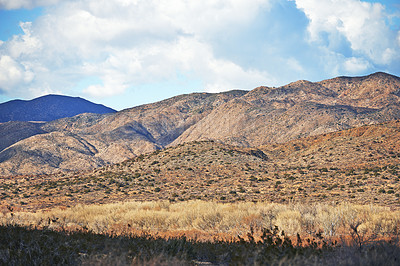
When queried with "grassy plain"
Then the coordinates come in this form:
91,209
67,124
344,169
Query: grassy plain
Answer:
212,218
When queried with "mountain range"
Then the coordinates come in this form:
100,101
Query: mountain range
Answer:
48,108
261,117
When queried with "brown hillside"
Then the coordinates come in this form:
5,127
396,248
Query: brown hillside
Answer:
359,165
362,147
299,109
373,91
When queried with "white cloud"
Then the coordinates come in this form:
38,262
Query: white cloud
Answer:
362,24
22,46
356,65
219,74
16,4
105,90
128,43
13,74
225,75
163,60
209,16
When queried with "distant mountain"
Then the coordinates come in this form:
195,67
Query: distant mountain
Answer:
48,108
254,118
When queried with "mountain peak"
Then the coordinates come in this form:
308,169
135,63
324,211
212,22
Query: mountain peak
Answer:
382,75
48,107
379,75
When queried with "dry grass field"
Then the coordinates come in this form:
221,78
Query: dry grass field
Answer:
199,232
212,218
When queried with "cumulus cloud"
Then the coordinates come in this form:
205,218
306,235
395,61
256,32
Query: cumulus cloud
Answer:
13,74
207,17
25,45
356,65
363,25
220,74
127,43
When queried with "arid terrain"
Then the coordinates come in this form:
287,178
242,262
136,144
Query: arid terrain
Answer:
222,172
359,165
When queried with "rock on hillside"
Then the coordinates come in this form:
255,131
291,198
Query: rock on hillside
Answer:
48,108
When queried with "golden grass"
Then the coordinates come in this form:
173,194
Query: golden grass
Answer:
212,218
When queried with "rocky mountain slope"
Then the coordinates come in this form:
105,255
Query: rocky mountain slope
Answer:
300,109
246,119
48,108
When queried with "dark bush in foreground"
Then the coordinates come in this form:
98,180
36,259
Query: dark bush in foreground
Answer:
23,246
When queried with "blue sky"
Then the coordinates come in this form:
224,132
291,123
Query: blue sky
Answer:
124,53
